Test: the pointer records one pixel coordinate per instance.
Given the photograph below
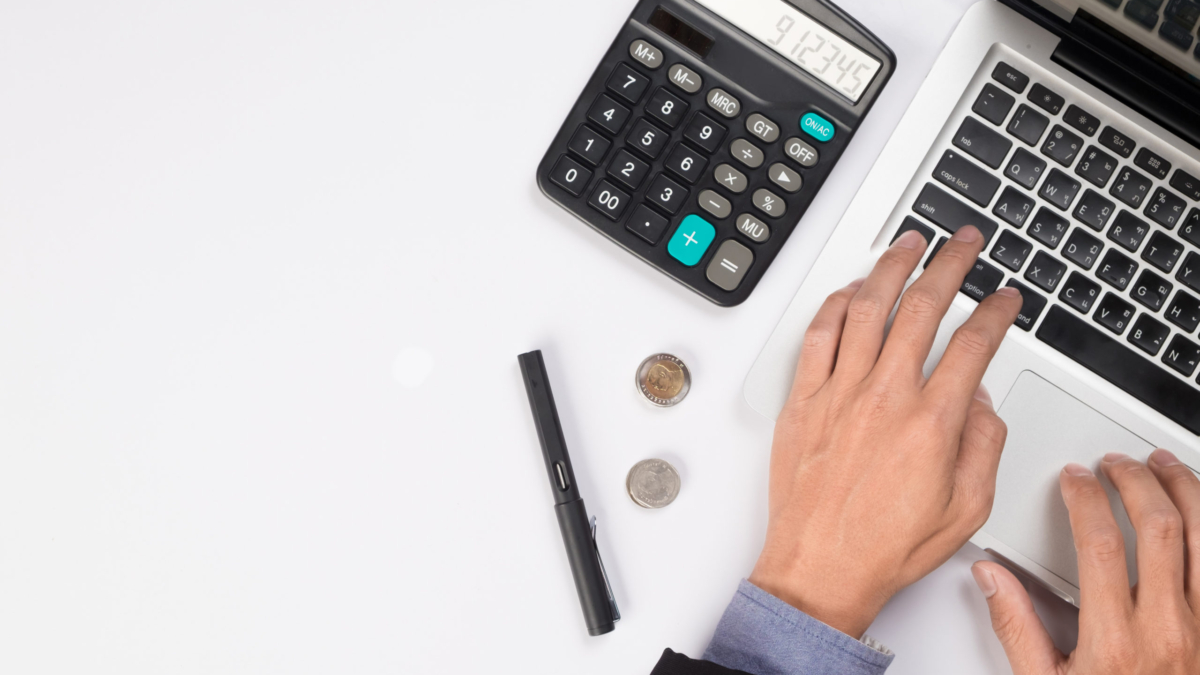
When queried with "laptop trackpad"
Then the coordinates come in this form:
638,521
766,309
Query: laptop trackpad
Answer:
1047,429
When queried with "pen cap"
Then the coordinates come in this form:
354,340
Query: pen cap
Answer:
595,596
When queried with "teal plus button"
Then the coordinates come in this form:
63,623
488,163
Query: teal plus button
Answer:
691,240
818,127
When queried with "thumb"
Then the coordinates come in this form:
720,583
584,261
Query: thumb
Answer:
1028,646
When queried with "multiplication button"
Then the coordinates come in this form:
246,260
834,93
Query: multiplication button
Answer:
729,265
730,178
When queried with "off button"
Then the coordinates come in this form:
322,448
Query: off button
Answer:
818,127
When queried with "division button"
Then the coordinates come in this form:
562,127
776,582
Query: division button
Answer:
715,204
685,78
754,228
730,178
646,53
766,130
803,153
647,224
785,178
746,153
691,239
770,204
729,265
724,103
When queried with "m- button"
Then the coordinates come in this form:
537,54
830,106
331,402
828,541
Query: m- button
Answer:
647,54
685,78
724,103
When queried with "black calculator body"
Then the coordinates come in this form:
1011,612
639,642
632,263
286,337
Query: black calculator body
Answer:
698,147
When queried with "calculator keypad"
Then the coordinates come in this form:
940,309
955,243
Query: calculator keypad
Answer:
683,173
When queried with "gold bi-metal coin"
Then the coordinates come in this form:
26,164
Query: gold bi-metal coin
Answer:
664,380
652,483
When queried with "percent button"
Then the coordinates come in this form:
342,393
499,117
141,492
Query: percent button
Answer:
769,203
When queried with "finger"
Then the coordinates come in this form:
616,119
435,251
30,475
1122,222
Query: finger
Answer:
971,349
1158,525
820,348
926,301
978,460
1099,547
1028,646
1183,488
872,304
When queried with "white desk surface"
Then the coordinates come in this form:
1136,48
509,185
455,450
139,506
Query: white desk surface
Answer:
227,227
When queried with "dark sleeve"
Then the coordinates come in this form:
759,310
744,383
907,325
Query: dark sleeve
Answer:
678,664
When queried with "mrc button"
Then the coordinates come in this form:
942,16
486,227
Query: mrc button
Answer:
724,103
816,126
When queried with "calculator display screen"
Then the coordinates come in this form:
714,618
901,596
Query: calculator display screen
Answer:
818,50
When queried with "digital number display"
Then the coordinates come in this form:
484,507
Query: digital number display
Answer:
810,45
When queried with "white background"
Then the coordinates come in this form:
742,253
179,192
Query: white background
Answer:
265,269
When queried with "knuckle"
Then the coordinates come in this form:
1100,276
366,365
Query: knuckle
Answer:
1117,653
921,302
1163,525
1176,644
974,340
1008,629
994,430
953,251
1103,544
817,337
864,308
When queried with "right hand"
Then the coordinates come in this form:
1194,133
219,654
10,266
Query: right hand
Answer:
1153,627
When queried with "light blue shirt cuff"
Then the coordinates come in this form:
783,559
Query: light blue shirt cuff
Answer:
763,635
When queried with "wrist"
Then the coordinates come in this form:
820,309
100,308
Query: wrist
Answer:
837,605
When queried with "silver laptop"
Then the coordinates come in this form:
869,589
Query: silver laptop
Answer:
1068,131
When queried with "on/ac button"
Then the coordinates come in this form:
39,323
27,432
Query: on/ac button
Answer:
818,127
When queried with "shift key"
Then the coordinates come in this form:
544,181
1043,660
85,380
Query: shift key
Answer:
950,213
966,178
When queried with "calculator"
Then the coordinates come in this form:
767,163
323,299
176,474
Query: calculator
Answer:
709,127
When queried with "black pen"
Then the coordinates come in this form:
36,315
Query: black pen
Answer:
579,534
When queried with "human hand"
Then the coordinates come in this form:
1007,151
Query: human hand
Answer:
878,475
1153,627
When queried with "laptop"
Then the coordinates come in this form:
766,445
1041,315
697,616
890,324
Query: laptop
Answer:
1068,131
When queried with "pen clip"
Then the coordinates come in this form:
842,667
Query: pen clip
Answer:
612,600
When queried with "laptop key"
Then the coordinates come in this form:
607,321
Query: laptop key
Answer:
1130,187
1015,207
1011,250
1162,251
1128,231
1061,145
1182,355
1032,304
911,223
1082,120
1186,183
1184,311
1083,249
1191,228
1059,189
1046,99
950,213
1079,292
1117,269
1142,13
1096,167
1183,12
1025,168
981,281
1151,290
1045,271
1152,164
979,141
1010,77
1114,313
1027,124
966,178
1048,227
1176,35
1094,210
993,104
1148,334
1117,142
1189,272
1165,208
1143,379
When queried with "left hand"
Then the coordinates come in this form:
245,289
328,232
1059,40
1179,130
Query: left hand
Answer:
878,475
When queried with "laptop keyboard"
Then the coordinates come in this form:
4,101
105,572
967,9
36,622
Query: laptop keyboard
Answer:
1100,232
1175,20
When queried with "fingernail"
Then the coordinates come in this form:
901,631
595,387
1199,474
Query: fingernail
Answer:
981,394
967,233
857,283
910,240
1009,292
984,580
1074,469
1163,458
1115,457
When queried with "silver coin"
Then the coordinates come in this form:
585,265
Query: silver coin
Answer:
652,483
663,379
